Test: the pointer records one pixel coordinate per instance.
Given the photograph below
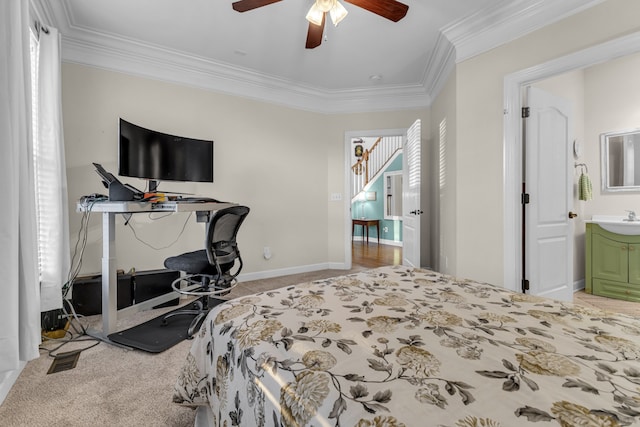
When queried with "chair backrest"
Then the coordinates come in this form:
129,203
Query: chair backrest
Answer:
220,244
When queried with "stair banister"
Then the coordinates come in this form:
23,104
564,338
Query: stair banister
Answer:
373,161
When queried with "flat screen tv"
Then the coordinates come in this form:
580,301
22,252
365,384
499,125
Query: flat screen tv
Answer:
157,156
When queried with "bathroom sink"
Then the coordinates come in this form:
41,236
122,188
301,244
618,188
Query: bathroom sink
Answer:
617,224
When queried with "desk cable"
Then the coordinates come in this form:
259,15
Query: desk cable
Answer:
67,307
74,270
184,226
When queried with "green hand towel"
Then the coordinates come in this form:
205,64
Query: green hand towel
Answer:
585,191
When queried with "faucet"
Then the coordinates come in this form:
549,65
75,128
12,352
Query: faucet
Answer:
632,216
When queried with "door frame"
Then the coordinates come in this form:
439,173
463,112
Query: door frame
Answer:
512,142
348,181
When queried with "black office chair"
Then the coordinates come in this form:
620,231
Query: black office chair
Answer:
209,272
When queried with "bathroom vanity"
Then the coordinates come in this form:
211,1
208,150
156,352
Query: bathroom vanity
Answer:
613,260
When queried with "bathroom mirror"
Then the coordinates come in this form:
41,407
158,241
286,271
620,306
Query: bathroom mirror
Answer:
620,156
393,195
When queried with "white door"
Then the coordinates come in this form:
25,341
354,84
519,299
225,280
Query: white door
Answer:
411,196
548,227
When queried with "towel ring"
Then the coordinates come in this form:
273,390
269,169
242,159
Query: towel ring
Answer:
582,165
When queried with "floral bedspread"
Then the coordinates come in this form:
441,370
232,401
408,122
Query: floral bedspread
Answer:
396,347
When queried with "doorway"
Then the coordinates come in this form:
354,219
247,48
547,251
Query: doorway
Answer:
358,250
513,147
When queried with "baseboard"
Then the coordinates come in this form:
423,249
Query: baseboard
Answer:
8,379
268,274
578,286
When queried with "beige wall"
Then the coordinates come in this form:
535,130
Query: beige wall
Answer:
612,91
479,128
283,163
267,155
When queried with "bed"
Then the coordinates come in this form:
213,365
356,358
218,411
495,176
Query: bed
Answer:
396,346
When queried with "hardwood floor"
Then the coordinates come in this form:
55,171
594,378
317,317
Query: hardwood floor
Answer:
372,255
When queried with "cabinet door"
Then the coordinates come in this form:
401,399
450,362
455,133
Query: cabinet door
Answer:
634,263
610,259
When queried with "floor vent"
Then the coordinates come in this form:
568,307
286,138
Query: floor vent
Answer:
64,362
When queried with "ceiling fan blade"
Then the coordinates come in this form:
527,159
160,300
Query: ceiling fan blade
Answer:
390,9
314,35
244,5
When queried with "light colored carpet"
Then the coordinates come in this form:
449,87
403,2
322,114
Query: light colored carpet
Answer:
112,386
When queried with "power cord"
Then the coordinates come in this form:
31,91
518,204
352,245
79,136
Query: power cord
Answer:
68,311
69,337
184,226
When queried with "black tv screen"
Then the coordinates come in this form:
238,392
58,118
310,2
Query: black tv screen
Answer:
157,156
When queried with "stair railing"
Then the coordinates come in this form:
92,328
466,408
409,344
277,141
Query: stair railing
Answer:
373,161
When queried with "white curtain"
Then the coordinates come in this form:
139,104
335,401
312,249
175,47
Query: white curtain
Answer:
51,175
19,287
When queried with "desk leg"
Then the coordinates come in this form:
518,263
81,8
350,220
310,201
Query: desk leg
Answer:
109,274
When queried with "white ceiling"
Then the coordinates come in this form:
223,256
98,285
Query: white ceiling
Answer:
367,63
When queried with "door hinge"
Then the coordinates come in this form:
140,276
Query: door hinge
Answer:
525,112
524,198
525,285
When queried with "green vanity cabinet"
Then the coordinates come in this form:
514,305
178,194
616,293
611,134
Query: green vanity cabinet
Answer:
612,264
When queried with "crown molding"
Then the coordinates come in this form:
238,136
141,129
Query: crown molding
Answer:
508,21
463,39
110,52
440,65
176,67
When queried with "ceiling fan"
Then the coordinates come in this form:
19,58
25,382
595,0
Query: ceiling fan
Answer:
390,9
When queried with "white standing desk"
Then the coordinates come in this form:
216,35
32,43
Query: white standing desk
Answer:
109,211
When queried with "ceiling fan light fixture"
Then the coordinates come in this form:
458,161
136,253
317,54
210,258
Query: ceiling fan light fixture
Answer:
315,14
338,13
325,5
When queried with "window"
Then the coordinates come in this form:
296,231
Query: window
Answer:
45,177
34,44
49,179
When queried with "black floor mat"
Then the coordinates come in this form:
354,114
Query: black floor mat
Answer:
152,336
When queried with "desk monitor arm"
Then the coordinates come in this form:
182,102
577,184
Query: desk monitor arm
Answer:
117,190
